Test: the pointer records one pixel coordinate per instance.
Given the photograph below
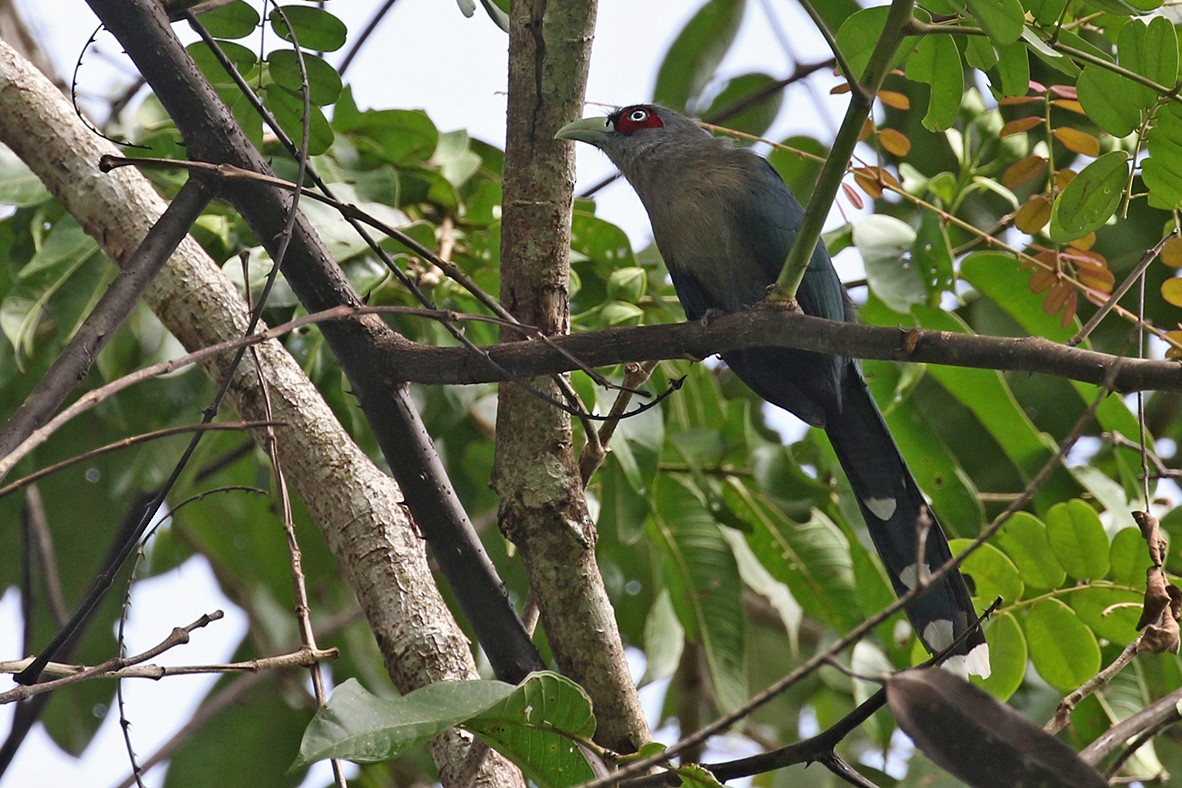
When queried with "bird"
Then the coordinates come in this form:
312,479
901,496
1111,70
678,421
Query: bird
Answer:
723,220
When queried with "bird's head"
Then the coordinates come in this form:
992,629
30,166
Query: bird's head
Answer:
638,130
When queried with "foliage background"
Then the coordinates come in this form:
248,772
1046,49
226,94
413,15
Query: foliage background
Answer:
980,435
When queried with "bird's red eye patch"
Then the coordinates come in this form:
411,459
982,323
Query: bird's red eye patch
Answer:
630,119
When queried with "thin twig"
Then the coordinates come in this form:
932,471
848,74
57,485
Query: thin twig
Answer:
133,440
178,636
1067,705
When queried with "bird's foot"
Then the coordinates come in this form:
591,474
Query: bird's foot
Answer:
710,315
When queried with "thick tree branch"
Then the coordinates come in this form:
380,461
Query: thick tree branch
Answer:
779,327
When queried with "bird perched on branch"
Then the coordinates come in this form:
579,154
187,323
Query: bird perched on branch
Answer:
724,221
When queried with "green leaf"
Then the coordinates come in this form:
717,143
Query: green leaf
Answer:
1109,494
664,640
619,313
883,241
1127,694
1078,539
1013,67
66,249
1112,613
1162,171
314,28
936,63
1002,19
755,118
812,559
988,396
998,277
1110,100
627,284
398,136
324,83
994,574
601,240
359,726
1007,657
456,160
1046,12
693,58
1024,539
704,584
538,726
799,172
245,751
19,187
1091,198
1150,50
756,577
242,58
622,507
1129,558
980,53
288,109
860,33
235,20
1063,650
628,473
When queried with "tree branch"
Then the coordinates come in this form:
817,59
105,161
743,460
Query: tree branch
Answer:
782,328
212,134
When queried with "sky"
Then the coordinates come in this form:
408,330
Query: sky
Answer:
424,55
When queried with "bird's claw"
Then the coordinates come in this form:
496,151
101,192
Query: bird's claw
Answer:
710,315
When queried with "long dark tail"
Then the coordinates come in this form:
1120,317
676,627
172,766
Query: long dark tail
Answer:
897,514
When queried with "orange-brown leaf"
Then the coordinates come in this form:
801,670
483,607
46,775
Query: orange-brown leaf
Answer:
1034,215
1084,243
1056,297
880,176
868,180
1175,348
1077,141
1020,125
1069,309
1098,279
895,142
1171,253
1071,105
1042,279
1013,101
1023,172
1085,258
837,90
867,130
894,99
1064,177
851,195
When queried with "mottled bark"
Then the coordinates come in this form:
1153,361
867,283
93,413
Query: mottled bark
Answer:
543,510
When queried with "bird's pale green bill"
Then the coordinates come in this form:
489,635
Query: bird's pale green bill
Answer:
589,130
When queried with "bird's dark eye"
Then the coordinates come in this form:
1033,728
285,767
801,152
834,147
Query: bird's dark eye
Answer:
638,115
